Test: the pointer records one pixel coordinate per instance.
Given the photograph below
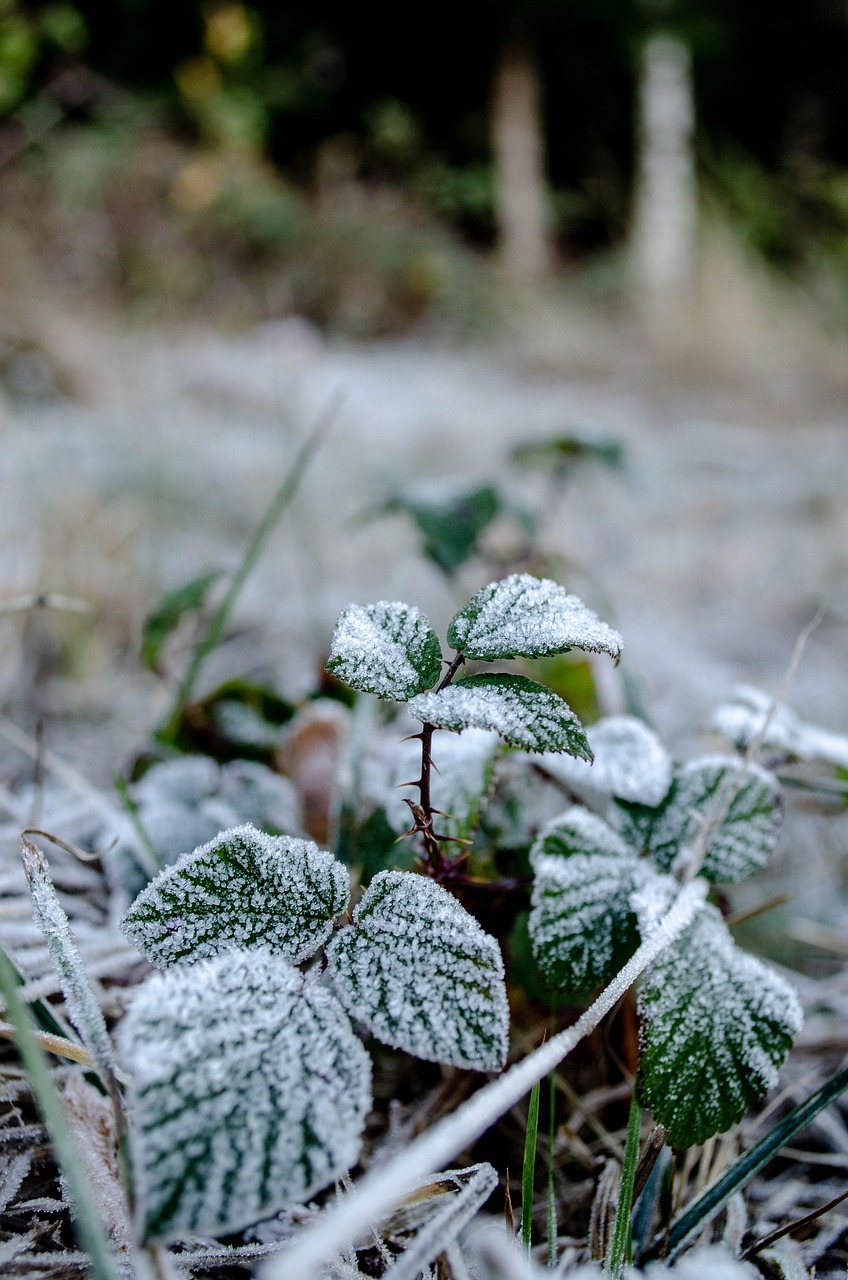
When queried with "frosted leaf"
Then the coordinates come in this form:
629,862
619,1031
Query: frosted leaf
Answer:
717,1024
524,713
243,889
83,1009
740,844
386,648
185,780
418,971
528,617
248,1091
459,789
582,925
741,721
630,762
183,803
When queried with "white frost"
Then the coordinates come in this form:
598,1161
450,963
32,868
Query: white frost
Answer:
387,648
741,721
248,1091
242,889
422,975
523,616
524,713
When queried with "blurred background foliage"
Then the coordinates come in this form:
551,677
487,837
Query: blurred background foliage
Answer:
335,161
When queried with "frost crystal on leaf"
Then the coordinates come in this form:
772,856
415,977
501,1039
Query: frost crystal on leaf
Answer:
242,889
582,924
418,971
717,1024
745,797
83,1010
386,648
630,762
524,713
248,1091
528,617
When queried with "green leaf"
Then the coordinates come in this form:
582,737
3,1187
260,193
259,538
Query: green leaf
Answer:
386,648
248,1091
450,522
172,609
582,924
563,453
418,971
524,713
747,799
528,617
717,1024
242,889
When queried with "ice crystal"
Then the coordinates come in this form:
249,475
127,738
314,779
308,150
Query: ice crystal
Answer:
582,924
248,1091
735,806
419,972
83,1008
528,617
524,713
630,762
717,1024
242,889
743,719
388,648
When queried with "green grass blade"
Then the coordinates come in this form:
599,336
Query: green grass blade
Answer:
92,1236
211,638
552,1213
530,1136
696,1217
621,1239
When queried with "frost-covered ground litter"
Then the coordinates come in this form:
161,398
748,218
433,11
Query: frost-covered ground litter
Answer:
708,554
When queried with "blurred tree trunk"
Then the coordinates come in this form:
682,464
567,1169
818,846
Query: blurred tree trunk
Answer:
665,214
518,147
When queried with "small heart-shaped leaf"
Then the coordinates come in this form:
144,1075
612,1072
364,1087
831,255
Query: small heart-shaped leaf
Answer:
248,1091
717,1024
527,617
418,971
388,648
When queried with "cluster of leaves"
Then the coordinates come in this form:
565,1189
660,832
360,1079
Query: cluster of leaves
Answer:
248,1082
716,1022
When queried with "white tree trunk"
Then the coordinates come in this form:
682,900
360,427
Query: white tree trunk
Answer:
665,215
521,205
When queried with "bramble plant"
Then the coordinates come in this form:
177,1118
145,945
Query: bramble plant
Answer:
248,1085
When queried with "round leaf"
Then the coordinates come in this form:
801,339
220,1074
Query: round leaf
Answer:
386,648
737,803
248,1091
418,971
717,1024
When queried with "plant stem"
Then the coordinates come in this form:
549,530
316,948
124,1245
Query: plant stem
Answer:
621,1238
284,495
529,1168
435,863
89,1228
552,1213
